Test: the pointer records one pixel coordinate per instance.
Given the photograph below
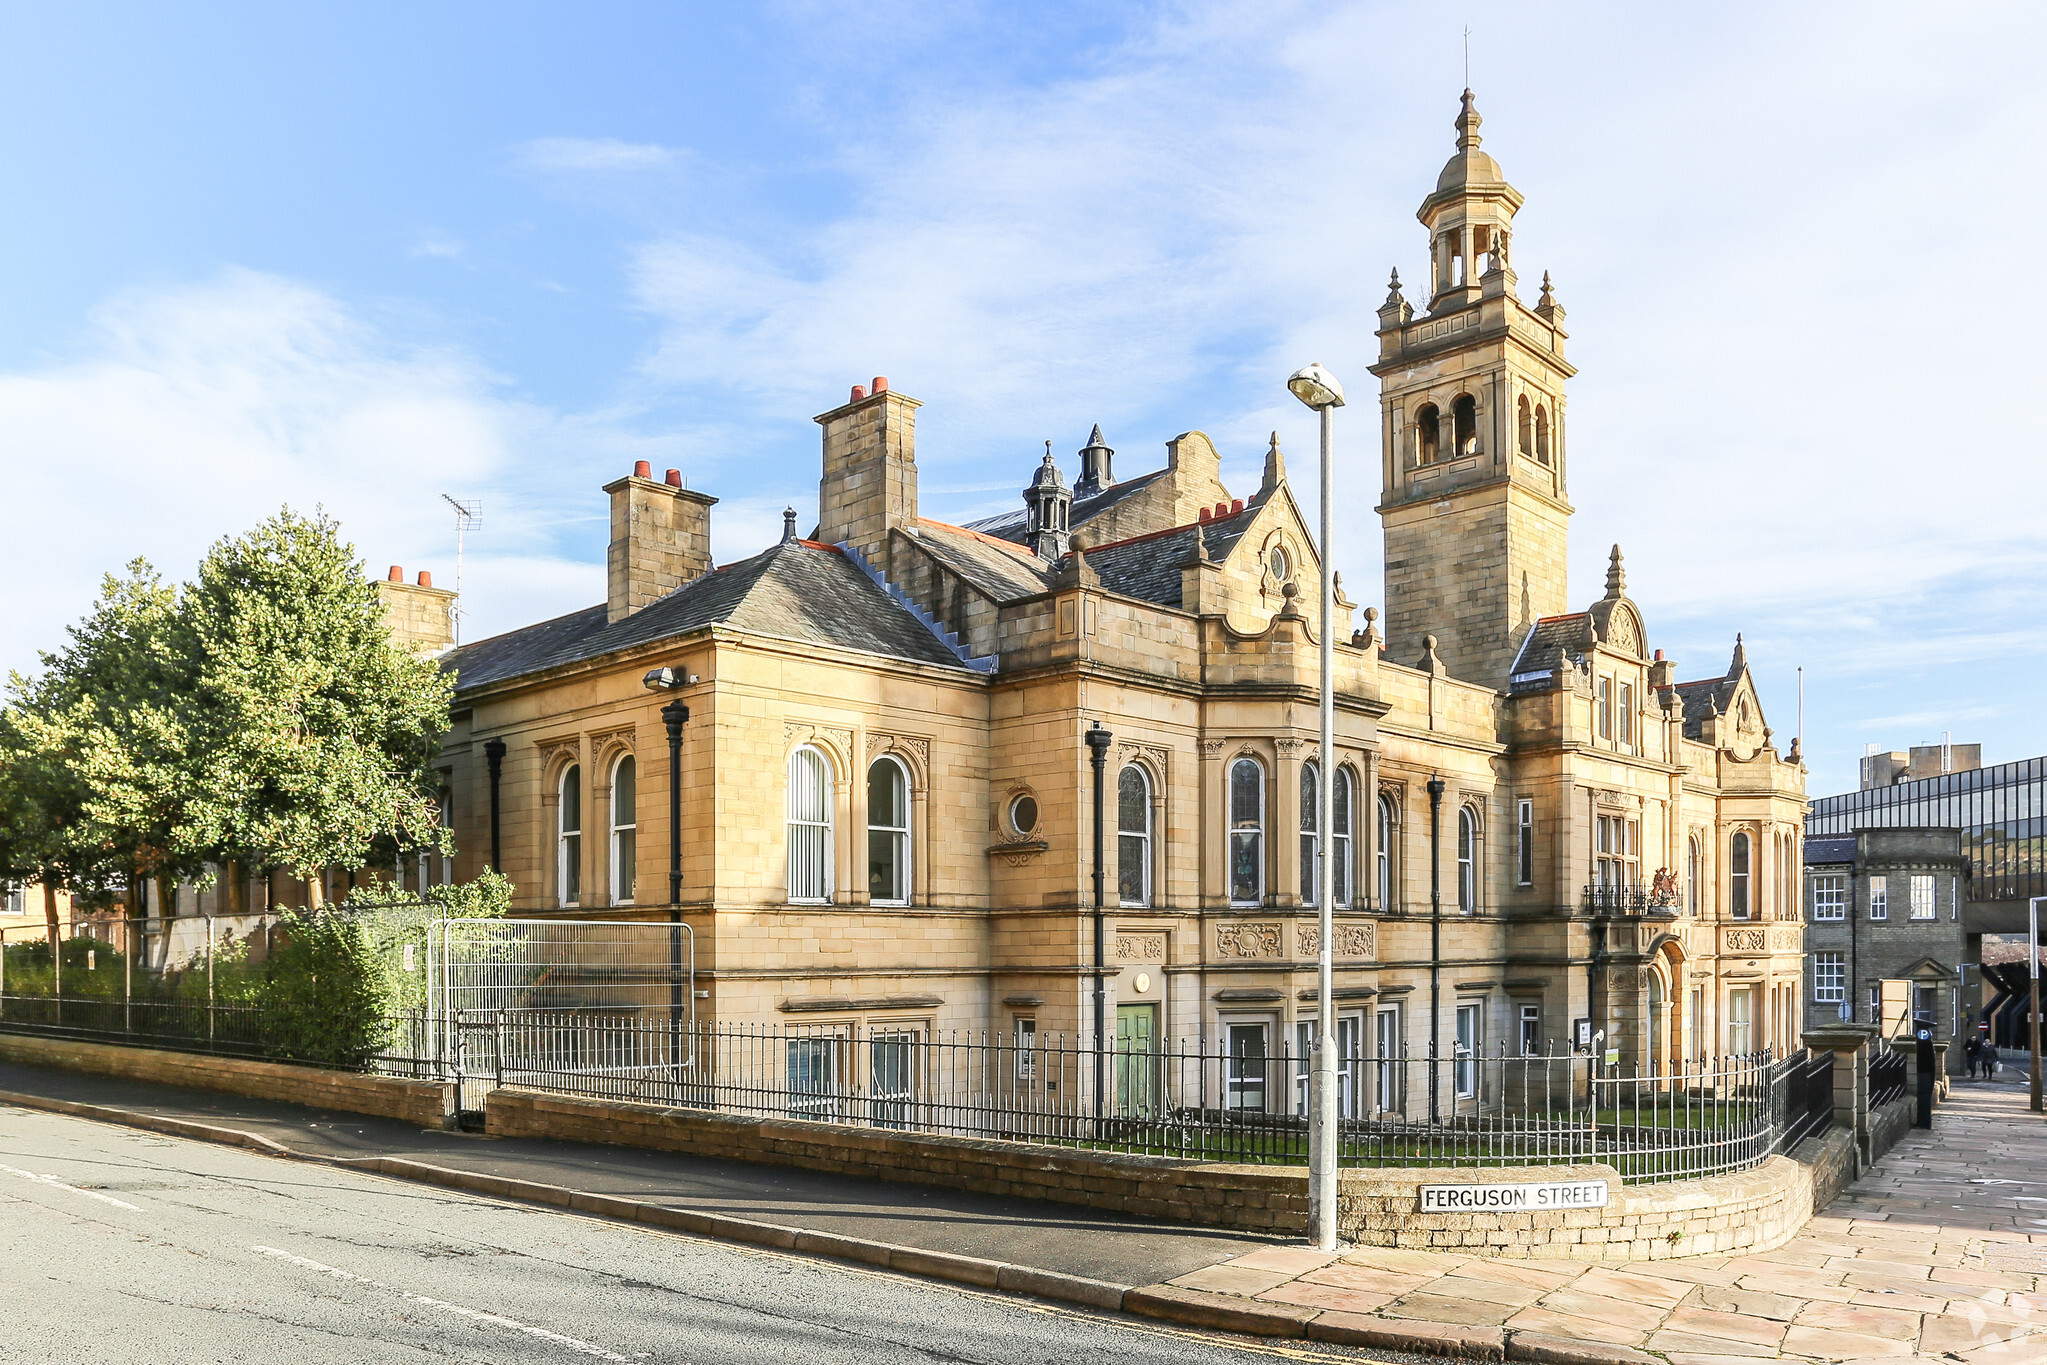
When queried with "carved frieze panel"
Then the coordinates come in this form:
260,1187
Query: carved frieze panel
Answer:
1154,754
836,738
1247,939
1140,947
1352,940
1746,941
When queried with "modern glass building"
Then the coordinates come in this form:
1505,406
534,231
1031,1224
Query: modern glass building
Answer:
2001,811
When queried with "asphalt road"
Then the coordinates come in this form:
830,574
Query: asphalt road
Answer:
124,1245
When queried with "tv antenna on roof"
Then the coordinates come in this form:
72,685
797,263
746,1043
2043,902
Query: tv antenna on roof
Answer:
467,514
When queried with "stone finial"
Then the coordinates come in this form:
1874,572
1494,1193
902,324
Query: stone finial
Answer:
1467,123
1740,662
1429,662
1616,575
1549,297
1393,295
1289,603
1369,636
1275,468
1199,554
788,525
1797,754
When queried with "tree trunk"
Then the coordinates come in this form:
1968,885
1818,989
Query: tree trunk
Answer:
237,878
315,897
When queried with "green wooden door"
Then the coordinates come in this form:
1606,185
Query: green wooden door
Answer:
1137,1059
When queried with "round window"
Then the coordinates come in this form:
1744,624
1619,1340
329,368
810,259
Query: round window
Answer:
1281,568
1023,815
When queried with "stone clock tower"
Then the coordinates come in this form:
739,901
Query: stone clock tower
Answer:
1472,397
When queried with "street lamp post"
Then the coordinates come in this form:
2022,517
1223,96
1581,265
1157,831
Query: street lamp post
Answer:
674,716
1098,741
1318,388
2033,1002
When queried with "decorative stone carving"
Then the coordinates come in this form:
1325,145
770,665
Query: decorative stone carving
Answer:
1786,939
1747,941
1247,939
1623,980
1154,754
558,750
1352,940
1287,747
1210,748
836,738
916,746
1140,947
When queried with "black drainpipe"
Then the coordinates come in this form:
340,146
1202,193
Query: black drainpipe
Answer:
1435,943
494,755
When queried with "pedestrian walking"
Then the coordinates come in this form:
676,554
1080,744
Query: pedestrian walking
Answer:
1972,1054
1989,1061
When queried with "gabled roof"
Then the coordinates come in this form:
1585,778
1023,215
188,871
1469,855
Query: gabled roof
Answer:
1148,566
1010,525
1003,572
1706,697
797,590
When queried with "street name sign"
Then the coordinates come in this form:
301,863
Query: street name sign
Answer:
1562,1194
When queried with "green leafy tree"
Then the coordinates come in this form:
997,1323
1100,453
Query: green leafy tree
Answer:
312,734
94,749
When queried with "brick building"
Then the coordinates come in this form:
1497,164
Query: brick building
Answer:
885,796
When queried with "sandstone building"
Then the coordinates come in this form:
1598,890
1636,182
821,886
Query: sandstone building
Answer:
886,797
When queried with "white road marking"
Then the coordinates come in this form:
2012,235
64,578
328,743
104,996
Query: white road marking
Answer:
89,1194
474,1314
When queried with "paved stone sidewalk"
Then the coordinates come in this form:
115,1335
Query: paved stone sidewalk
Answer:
1940,1252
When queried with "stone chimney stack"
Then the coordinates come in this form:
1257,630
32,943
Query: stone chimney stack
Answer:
660,539
869,485
421,616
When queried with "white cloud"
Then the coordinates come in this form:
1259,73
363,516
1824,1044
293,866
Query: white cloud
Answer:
600,155
433,244
191,413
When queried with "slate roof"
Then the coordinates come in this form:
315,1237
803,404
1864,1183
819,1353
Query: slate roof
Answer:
1010,525
797,590
1703,698
1004,575
1832,849
1148,566
1571,633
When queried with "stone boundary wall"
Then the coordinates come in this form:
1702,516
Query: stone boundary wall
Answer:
1749,1211
1887,1125
1721,1215
1252,1198
426,1103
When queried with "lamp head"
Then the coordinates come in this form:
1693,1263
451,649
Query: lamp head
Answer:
661,680
1316,387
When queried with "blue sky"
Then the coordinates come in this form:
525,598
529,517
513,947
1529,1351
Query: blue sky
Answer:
361,256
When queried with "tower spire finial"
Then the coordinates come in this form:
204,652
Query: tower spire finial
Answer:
1467,123
1740,662
1616,576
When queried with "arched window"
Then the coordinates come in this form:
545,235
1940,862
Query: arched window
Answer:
1542,433
1427,431
1247,832
1464,425
625,830
810,825
1311,811
1133,836
888,833
1692,873
1387,826
1467,861
568,835
1737,876
1526,426
1341,851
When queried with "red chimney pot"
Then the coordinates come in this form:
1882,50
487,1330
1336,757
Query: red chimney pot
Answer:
674,478
1659,656
642,470
1207,514
881,383
397,573
426,578
858,394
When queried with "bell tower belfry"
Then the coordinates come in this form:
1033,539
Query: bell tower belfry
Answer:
1472,411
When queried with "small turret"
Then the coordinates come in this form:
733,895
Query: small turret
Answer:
1049,504
1095,472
